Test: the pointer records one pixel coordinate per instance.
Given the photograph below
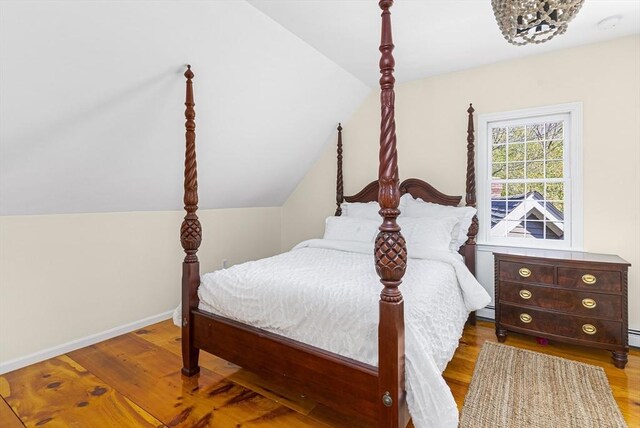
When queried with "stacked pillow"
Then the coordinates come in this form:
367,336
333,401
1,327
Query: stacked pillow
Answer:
420,209
367,210
427,232
351,229
423,223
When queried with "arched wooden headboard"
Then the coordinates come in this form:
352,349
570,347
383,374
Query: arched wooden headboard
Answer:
413,186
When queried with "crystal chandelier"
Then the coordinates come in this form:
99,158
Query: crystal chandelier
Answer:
534,21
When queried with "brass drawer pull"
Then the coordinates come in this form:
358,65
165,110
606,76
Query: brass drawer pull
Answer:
526,294
526,273
526,318
589,279
589,303
589,329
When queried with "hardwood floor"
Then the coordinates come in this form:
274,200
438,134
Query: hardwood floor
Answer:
134,381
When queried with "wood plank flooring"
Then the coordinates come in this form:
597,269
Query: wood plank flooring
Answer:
134,380
8,419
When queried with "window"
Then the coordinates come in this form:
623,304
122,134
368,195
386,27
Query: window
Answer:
529,175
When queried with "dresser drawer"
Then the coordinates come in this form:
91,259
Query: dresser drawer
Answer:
573,302
510,271
590,279
581,328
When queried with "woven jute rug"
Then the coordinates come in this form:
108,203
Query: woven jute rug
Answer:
516,388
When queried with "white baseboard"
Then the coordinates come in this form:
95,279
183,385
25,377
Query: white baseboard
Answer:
45,354
489,313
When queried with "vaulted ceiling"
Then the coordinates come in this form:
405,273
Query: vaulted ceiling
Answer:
92,106
92,114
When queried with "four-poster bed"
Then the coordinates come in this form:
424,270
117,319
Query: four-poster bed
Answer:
375,393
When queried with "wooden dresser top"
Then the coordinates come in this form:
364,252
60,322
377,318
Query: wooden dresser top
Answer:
577,256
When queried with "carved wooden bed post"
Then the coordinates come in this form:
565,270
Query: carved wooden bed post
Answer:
390,248
190,236
470,201
339,179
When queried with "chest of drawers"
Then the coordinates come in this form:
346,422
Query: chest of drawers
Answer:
568,296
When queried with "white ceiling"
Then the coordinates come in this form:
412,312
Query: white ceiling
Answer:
92,105
431,36
92,114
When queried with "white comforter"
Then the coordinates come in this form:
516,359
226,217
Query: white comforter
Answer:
325,293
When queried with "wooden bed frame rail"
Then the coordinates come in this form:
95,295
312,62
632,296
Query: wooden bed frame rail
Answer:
375,394
341,383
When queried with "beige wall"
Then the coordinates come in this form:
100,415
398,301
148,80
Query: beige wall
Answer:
64,277
431,123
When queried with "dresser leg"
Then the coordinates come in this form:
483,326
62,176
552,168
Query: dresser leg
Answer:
619,359
501,334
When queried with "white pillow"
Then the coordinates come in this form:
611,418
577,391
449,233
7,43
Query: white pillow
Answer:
404,200
351,229
420,208
367,210
428,232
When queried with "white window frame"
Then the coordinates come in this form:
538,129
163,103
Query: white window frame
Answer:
573,234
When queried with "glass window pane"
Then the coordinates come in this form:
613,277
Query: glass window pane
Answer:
498,190
554,230
535,150
499,153
499,171
555,208
514,193
535,169
555,150
516,229
555,192
536,187
555,169
513,204
524,207
498,211
554,130
515,170
499,135
535,132
516,134
516,152
535,229
514,190
515,196
534,208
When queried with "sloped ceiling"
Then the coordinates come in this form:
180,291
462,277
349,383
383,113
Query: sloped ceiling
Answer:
431,36
92,105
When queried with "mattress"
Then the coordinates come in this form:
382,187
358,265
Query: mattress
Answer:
325,293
